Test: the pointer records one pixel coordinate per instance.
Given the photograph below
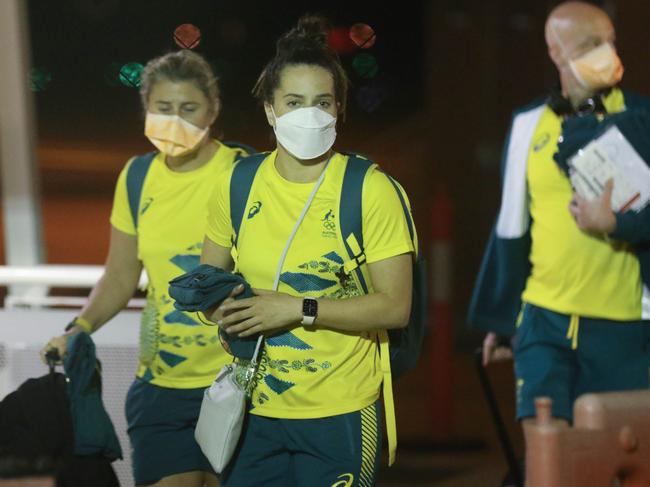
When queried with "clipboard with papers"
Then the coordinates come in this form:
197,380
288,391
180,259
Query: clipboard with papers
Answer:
611,156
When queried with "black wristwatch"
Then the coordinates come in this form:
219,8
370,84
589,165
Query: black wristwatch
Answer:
309,311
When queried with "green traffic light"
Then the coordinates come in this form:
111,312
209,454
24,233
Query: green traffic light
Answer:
130,75
39,78
365,65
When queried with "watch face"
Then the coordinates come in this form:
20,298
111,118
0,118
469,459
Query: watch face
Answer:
309,307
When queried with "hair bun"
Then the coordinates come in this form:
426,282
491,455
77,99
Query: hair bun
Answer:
305,44
314,27
310,33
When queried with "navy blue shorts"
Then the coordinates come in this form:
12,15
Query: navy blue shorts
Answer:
339,451
161,425
560,361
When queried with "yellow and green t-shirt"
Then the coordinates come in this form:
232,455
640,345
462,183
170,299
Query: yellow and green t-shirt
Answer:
574,272
176,349
311,372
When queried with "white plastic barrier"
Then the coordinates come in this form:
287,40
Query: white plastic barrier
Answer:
24,332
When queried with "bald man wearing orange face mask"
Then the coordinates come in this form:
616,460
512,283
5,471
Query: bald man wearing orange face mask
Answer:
571,302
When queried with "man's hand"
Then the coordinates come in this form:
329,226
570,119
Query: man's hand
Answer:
493,352
595,216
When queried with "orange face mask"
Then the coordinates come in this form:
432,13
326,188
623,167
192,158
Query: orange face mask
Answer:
171,134
599,68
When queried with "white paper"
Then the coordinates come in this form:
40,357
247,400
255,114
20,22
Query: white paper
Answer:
611,156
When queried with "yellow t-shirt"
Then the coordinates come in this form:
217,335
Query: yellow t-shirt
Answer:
176,350
311,372
574,272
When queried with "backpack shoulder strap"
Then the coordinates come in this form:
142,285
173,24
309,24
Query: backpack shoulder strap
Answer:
135,176
241,183
351,224
243,150
351,215
405,208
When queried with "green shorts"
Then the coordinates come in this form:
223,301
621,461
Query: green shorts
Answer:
161,425
340,451
562,357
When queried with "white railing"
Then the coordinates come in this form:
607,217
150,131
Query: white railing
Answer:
32,283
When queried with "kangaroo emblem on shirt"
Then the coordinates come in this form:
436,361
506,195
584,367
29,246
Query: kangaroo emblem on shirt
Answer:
329,225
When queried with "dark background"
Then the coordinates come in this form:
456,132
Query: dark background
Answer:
450,74
77,40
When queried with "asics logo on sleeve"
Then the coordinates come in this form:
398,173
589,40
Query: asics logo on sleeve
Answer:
146,204
254,209
541,141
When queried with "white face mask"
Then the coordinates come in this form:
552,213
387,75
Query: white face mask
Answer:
306,133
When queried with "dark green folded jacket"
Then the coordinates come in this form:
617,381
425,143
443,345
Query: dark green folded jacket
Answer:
94,434
206,287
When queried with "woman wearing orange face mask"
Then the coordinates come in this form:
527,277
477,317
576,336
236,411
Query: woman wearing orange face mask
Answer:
158,201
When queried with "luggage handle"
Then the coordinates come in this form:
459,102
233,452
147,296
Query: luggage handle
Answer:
53,358
502,432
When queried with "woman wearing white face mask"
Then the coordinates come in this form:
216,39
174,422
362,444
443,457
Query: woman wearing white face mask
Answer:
315,417
158,230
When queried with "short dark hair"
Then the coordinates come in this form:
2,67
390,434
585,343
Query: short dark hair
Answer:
304,44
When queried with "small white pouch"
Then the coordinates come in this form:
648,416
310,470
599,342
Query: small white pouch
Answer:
222,416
